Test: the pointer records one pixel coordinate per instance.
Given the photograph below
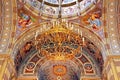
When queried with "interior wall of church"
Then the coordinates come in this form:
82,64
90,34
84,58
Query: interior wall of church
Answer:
0,16
111,67
117,65
112,20
7,70
118,9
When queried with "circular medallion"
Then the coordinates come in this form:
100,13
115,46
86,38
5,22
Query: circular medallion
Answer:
30,66
59,70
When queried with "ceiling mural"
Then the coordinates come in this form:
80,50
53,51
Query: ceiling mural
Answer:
59,53
24,23
86,15
93,20
61,48
67,11
50,10
41,5
94,23
58,39
59,70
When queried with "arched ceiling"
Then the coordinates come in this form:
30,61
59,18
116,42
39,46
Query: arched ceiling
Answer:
58,44
60,40
95,46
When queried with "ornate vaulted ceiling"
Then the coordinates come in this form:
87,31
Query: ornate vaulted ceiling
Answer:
52,8
68,40
53,53
58,39
53,39
67,8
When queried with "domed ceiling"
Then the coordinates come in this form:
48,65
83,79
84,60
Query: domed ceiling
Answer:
65,8
84,12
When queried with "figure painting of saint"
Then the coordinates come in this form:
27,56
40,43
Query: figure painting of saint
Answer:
50,10
94,21
24,21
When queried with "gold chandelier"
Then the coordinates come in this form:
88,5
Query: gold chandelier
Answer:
59,33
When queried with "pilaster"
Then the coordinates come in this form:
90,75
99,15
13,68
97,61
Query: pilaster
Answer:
7,69
112,68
